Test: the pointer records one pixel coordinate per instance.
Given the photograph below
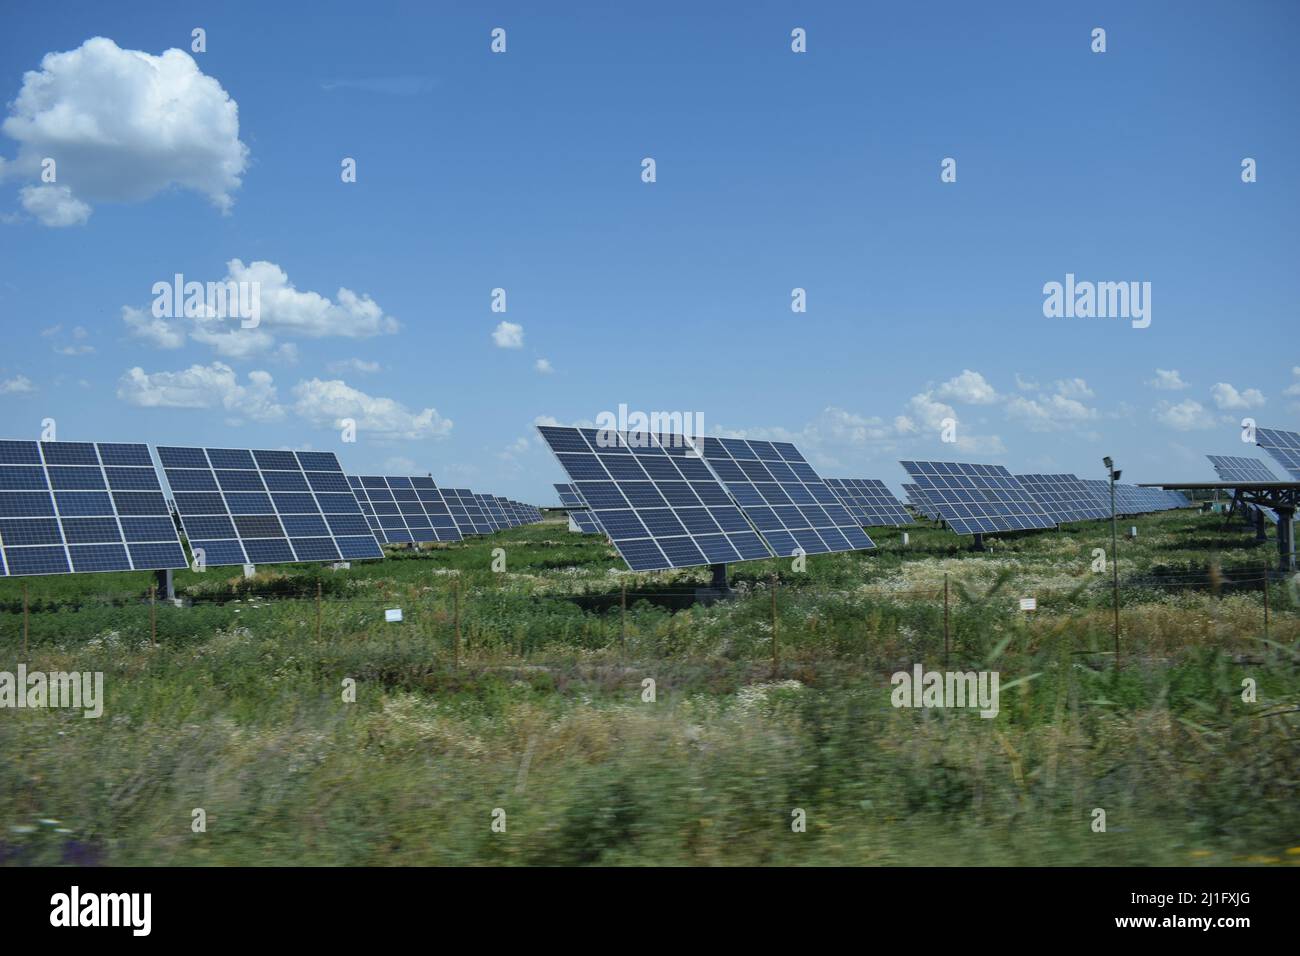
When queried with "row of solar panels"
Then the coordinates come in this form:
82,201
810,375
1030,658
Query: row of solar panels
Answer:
667,502
76,507
1284,446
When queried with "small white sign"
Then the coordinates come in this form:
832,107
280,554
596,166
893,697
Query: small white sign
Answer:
1029,604
906,539
393,614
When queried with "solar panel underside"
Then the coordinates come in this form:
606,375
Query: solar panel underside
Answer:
975,498
254,506
1283,446
80,507
869,501
404,510
660,506
1064,497
793,509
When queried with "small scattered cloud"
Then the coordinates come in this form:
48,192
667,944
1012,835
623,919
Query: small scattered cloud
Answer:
1229,399
543,366
17,385
1187,415
508,335
214,386
969,387
354,365
1167,380
326,403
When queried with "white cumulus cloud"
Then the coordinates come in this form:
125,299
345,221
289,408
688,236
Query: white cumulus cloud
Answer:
1229,399
1167,380
326,403
121,126
1184,416
203,386
968,387
508,335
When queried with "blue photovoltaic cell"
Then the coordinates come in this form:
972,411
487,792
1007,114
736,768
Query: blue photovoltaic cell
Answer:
99,508
792,507
1284,446
869,501
1229,468
412,509
1064,497
236,505
664,509
975,498
467,511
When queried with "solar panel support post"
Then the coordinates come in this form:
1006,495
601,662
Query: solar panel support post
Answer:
153,614
978,543
1286,539
719,572
776,658
166,583
1260,534
1266,602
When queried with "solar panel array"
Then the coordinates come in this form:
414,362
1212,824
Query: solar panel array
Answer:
404,510
247,506
869,501
1132,500
976,499
581,515
1283,446
657,501
1064,497
466,511
76,507
789,504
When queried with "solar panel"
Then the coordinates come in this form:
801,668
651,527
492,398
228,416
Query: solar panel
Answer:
660,505
1283,446
254,506
569,497
82,507
1230,468
404,510
793,509
1064,497
976,499
467,511
869,501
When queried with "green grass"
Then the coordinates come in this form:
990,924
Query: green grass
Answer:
234,705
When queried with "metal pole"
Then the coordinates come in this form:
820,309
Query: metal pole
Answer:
1114,562
1266,602
153,614
318,612
455,647
946,632
24,620
775,655
622,619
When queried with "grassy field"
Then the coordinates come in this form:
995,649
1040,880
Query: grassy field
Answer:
236,705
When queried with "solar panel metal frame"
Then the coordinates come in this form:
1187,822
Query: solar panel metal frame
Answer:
870,501
82,508
379,498
231,502
974,498
1064,497
660,505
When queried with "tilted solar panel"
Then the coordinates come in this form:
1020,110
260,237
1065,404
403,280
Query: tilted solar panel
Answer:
1283,446
258,506
1064,497
660,505
81,507
1230,468
792,508
404,509
583,520
975,498
869,501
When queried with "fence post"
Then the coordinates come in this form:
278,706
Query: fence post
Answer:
455,598
24,620
946,637
153,614
622,619
1266,602
776,660
318,631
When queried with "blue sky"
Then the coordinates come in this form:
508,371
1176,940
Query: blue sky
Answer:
775,171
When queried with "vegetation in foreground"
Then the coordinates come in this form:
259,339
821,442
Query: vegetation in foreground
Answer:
235,705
